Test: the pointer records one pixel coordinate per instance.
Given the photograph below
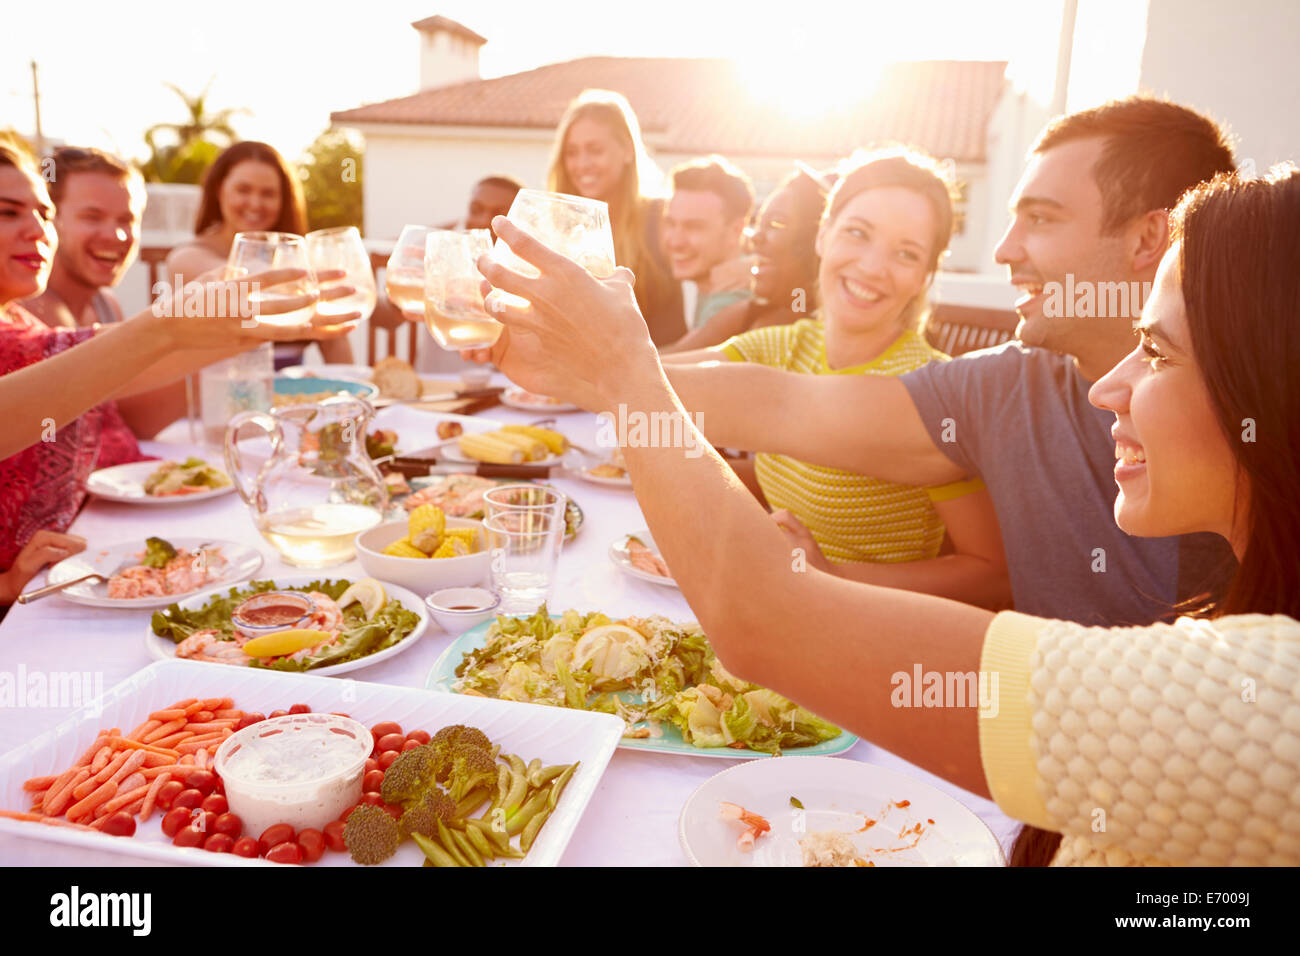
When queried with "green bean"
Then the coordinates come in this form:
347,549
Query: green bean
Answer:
548,774
526,812
534,768
470,802
486,848
518,784
449,844
503,785
498,838
435,855
467,849
560,784
533,828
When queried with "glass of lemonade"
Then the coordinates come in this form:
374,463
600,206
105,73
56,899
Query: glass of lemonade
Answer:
254,252
453,289
343,249
571,225
404,274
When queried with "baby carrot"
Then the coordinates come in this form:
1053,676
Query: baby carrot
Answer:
58,799
147,727
152,795
164,730
40,783
106,791
171,713
125,799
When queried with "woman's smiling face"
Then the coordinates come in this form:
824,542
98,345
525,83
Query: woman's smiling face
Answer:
250,197
1175,468
875,257
27,236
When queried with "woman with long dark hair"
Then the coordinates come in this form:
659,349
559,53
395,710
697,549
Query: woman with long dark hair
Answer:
1183,734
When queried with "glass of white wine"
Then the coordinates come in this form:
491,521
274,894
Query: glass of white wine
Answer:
404,275
571,225
453,290
341,249
254,252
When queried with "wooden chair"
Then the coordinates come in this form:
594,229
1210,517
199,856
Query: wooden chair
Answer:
955,329
154,257
388,319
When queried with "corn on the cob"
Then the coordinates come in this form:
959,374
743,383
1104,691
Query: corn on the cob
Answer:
490,449
555,443
402,548
468,535
451,548
425,527
533,449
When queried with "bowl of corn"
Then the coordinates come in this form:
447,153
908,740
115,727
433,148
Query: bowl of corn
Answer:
426,551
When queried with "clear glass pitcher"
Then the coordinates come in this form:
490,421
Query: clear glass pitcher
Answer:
319,489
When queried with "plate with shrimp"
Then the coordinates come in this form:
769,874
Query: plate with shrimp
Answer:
153,572
637,555
292,623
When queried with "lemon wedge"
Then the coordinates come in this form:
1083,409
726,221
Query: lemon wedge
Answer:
285,642
367,592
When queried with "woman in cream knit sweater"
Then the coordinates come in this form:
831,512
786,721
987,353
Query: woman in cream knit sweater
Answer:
1171,744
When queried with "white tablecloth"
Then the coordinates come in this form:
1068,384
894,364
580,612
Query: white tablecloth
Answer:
632,819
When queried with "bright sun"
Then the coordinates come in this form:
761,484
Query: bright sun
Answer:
809,84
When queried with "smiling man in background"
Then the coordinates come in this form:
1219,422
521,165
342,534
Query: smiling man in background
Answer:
99,203
702,229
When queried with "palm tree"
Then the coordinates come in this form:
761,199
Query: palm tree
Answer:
198,140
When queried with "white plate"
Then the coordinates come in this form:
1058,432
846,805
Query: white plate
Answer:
450,451
837,794
552,734
356,373
241,562
618,554
165,650
586,475
125,483
516,397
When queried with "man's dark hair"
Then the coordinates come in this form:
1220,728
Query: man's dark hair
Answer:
69,160
714,174
1154,152
501,182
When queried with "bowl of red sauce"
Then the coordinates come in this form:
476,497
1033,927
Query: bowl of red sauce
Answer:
459,609
273,611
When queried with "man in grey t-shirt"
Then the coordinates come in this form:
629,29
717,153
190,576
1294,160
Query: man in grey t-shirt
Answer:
1089,226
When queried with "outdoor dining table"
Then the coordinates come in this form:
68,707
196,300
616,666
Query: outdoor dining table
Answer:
633,816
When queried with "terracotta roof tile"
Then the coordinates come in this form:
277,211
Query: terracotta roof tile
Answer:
702,106
432,24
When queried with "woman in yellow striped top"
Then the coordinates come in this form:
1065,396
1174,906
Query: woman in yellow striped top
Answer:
886,226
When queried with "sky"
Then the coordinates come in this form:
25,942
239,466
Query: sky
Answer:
291,63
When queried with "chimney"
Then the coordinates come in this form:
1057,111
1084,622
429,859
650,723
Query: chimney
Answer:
448,52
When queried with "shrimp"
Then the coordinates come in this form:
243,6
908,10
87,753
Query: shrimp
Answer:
327,616
208,646
646,559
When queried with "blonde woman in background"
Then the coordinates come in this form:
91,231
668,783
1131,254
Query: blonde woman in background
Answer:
599,154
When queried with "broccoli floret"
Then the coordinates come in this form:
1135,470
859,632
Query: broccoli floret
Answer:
157,553
410,775
424,815
371,835
460,734
470,767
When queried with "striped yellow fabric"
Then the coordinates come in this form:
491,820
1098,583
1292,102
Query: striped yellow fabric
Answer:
852,517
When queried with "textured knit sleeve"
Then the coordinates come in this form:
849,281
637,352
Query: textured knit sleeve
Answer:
770,345
1175,742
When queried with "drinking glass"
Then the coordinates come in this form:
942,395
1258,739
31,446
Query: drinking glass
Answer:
453,289
404,276
523,497
571,225
525,545
343,249
254,252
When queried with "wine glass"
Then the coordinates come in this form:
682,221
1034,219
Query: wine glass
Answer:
404,277
254,252
342,249
453,290
571,225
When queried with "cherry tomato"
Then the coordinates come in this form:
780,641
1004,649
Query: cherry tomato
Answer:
174,819
285,853
189,836
167,793
300,709
249,719
419,736
120,824
386,728
274,836
277,713
334,836
204,781
390,742
392,811
372,798
228,824
190,799
203,821
371,764
312,844
348,812
387,757
410,745
219,843
372,781
245,846
215,803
